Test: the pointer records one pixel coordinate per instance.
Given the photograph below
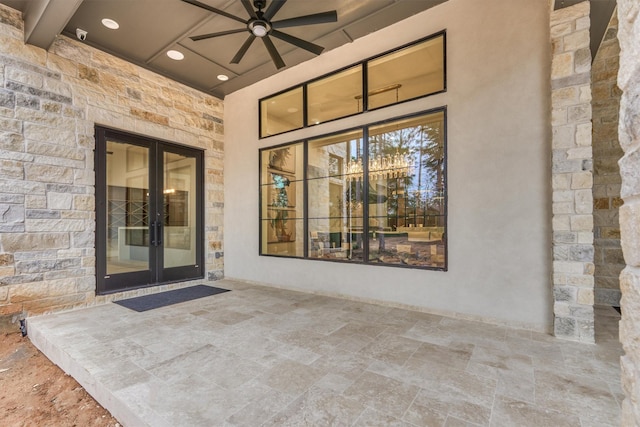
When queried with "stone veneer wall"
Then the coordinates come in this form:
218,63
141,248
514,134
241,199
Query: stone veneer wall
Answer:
49,104
629,133
606,173
572,179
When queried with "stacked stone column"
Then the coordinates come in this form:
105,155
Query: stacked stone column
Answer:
606,180
572,177
629,134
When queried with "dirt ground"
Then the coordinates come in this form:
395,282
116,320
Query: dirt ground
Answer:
35,392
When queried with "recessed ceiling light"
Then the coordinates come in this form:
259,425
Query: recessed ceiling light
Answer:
175,55
292,110
110,23
223,77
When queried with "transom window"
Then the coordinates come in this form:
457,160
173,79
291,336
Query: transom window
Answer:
374,195
407,73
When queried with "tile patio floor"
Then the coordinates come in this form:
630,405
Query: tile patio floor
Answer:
258,356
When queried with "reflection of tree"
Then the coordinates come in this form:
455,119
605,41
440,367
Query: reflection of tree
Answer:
432,161
403,193
420,192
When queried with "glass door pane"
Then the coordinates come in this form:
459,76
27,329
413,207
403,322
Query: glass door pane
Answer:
179,195
127,233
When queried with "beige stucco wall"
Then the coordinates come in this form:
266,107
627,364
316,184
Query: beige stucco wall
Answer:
50,102
498,169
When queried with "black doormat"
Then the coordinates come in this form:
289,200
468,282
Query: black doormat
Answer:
163,299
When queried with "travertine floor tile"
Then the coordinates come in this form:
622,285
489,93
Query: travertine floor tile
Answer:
257,356
508,412
387,395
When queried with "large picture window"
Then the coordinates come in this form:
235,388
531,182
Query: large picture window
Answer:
374,195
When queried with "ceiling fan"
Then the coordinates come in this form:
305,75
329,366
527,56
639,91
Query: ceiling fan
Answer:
260,25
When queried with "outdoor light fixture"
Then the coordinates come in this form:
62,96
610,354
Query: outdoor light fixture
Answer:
259,28
175,55
110,24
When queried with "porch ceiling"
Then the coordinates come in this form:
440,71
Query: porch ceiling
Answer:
601,12
149,28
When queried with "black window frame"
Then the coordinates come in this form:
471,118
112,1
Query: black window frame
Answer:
305,180
365,102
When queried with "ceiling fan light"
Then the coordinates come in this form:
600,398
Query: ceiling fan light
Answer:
259,29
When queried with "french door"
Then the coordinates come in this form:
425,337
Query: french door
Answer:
149,212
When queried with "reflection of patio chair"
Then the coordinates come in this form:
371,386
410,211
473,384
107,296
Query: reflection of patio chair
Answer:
318,241
313,241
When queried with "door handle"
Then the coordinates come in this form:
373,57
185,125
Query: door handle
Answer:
156,233
153,230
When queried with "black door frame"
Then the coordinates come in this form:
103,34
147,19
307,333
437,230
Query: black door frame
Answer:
157,274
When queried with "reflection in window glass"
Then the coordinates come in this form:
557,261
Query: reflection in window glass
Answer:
281,194
281,113
335,96
335,198
409,73
127,208
179,210
407,222
381,200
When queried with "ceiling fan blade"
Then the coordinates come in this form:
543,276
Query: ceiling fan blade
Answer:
214,10
249,8
275,56
311,47
316,18
221,33
273,8
243,49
